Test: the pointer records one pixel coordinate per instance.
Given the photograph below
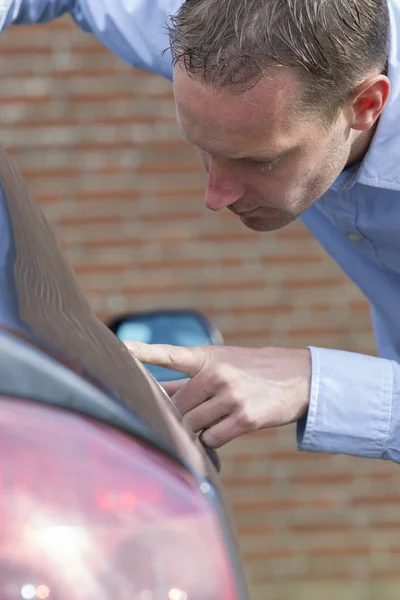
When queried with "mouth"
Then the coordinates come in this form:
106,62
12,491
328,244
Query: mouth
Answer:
242,213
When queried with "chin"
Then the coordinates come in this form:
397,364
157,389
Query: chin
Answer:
268,223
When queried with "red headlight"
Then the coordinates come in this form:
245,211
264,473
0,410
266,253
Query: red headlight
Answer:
88,513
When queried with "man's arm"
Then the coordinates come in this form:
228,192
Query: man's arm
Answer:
345,403
134,30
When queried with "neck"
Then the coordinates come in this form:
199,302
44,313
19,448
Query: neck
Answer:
360,146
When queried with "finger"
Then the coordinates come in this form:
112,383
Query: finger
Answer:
171,387
187,360
206,415
199,389
221,433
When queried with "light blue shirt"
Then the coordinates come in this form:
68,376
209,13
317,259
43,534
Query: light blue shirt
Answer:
355,399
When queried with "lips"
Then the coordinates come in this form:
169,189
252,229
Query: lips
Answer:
242,213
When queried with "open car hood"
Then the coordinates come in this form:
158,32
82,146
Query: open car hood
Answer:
41,301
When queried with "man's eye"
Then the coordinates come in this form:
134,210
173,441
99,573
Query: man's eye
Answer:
261,166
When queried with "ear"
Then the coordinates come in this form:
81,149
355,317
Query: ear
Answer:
368,101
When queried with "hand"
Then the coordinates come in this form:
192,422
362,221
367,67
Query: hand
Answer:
232,391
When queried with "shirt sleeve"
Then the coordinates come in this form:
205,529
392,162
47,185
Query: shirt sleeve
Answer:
134,30
354,406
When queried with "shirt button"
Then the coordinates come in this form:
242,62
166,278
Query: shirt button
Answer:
354,237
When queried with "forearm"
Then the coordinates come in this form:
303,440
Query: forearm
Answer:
19,12
354,406
135,31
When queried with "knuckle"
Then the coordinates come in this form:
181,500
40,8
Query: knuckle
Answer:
180,402
233,393
211,440
243,420
218,375
223,374
174,355
188,422
235,396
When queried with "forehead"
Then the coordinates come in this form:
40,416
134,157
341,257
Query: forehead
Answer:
265,114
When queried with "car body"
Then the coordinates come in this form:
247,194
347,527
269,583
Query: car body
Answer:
104,493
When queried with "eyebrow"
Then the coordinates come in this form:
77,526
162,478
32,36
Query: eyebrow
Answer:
260,158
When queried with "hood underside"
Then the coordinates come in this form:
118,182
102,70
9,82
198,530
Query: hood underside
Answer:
41,300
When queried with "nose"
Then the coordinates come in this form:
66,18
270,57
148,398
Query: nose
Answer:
222,189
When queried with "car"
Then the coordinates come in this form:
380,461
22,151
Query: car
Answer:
104,493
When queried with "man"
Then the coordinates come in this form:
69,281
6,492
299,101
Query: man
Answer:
294,106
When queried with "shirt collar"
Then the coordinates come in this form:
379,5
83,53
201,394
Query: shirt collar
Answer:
347,178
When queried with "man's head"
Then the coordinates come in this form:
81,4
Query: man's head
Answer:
278,96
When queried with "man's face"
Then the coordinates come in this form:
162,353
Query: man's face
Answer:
265,162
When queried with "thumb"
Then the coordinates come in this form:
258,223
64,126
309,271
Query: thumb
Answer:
187,360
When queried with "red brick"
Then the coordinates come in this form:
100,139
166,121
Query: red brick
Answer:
94,97
26,50
223,237
269,553
166,217
187,263
168,168
385,525
293,456
154,289
320,282
131,120
359,550
63,24
82,220
379,500
385,574
248,481
359,305
322,528
320,307
48,198
102,268
318,330
92,47
293,233
243,334
43,98
330,579
179,193
292,259
382,476
257,530
256,284
266,309
107,195
327,478
84,73
130,242
51,173
265,434
282,504
38,124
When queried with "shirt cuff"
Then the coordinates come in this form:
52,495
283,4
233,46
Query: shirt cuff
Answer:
350,404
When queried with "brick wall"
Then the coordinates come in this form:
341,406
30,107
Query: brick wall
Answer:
99,148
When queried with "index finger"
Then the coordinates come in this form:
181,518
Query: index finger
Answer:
187,360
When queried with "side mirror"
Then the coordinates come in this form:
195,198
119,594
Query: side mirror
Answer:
175,327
